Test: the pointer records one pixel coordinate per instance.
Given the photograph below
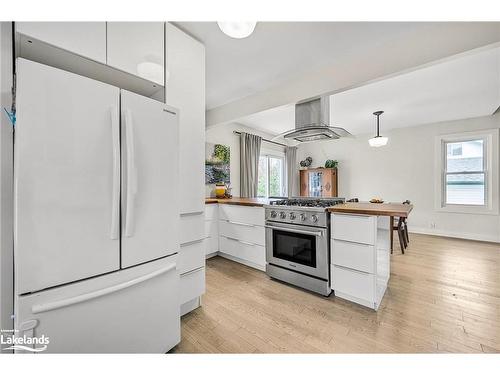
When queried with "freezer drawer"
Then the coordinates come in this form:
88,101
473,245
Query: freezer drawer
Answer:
131,311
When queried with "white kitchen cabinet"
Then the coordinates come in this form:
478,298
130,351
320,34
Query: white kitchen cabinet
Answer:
87,39
185,86
211,230
244,252
185,89
245,232
137,48
360,258
242,235
354,228
192,227
191,256
242,214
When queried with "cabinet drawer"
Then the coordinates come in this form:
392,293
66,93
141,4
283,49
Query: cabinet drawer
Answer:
211,228
353,255
191,256
192,227
242,214
355,286
211,211
192,285
246,251
354,228
244,232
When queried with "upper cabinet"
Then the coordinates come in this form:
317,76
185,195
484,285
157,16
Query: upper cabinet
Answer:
137,48
87,39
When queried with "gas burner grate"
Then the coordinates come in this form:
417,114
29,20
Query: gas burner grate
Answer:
306,202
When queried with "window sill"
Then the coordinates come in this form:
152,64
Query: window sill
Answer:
465,209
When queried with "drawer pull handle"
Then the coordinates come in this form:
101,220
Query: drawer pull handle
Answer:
239,223
240,241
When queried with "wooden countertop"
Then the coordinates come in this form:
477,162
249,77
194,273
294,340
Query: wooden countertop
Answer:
379,209
252,202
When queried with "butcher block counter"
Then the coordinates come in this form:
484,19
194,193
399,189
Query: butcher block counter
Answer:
252,202
376,209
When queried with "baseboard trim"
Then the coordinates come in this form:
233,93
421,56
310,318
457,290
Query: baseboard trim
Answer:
461,235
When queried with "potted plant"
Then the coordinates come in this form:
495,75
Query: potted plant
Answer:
331,163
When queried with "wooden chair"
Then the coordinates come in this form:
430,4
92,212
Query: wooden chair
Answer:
402,229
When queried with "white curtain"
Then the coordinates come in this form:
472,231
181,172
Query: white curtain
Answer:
292,171
249,164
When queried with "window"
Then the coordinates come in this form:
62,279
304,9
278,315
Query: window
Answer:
468,172
271,176
465,172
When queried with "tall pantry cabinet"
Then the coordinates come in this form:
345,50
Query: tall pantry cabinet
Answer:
185,90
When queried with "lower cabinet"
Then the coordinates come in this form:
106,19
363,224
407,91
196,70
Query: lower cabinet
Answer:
360,258
248,253
356,286
191,264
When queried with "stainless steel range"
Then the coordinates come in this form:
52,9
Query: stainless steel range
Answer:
298,242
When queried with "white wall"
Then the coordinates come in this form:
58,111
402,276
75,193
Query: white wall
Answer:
404,169
6,174
223,134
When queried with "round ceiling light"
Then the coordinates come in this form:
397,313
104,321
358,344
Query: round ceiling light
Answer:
237,30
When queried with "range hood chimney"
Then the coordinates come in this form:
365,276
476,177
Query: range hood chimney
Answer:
312,122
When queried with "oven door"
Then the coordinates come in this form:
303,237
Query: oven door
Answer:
298,248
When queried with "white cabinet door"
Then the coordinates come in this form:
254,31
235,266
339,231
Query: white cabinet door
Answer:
87,39
66,165
150,164
138,48
185,90
129,311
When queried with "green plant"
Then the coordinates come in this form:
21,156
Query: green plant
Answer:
331,163
221,152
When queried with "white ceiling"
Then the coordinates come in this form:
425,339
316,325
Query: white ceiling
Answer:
464,87
278,52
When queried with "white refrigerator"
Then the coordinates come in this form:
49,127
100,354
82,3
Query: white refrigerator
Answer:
96,216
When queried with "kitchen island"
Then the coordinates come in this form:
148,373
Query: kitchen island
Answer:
361,243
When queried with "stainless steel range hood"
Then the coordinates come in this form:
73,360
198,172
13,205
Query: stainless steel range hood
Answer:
312,122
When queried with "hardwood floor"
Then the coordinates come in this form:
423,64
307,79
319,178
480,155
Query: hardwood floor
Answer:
443,296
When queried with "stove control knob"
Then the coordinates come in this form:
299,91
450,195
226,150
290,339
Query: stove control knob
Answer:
283,215
292,215
274,214
303,217
314,218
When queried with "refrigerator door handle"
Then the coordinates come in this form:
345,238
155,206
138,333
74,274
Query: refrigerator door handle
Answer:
49,306
115,197
131,175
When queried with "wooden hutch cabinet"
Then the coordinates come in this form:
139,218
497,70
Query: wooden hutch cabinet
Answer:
318,182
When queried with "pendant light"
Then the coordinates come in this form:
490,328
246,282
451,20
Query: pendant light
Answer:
378,141
237,30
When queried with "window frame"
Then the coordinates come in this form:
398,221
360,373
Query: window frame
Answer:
490,170
268,155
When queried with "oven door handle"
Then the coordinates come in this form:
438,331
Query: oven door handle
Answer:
299,231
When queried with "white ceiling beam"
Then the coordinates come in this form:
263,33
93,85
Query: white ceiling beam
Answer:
439,41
